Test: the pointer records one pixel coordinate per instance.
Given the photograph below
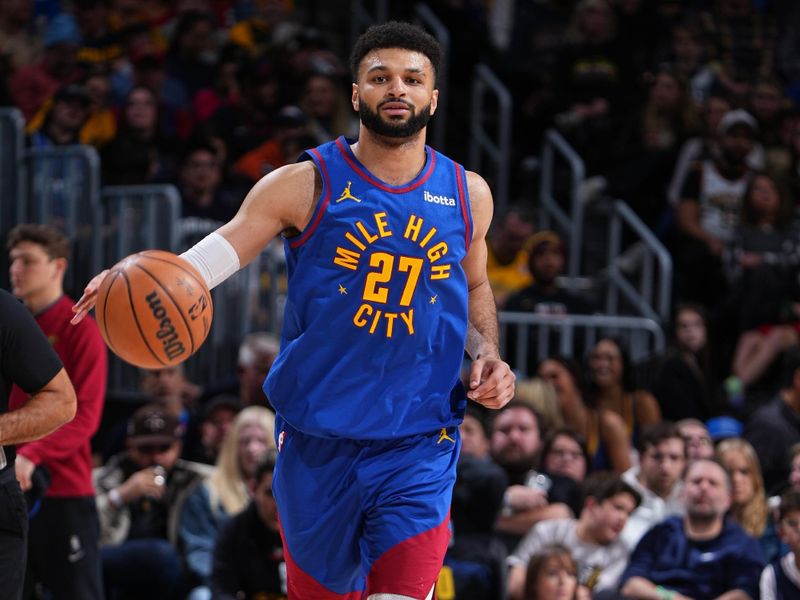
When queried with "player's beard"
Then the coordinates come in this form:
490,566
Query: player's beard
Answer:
400,129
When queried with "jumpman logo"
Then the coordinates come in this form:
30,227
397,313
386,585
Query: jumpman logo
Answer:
443,436
346,195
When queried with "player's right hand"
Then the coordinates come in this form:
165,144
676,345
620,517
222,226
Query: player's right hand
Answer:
86,302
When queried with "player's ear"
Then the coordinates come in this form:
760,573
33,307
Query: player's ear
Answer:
61,265
434,101
354,97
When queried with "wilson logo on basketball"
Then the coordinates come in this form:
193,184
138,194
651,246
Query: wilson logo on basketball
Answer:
173,346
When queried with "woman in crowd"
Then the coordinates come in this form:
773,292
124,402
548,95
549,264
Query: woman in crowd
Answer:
611,388
684,382
552,575
564,453
225,492
749,507
607,440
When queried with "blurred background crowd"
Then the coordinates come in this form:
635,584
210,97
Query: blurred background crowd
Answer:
680,117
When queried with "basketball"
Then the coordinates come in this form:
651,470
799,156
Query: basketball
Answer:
154,309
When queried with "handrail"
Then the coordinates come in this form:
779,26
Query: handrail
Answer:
499,151
570,224
14,203
425,16
566,326
653,303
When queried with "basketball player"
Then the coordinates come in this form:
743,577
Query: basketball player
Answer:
385,242
28,361
63,554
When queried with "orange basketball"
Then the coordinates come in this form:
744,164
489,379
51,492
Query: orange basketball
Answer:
154,309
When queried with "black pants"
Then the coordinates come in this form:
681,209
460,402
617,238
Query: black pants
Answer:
63,553
13,535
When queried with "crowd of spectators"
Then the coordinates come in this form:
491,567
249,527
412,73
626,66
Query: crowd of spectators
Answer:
678,477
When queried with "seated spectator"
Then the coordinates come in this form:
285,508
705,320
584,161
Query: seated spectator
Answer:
593,538
552,574
564,453
140,496
762,264
611,387
530,496
708,211
662,459
794,473
507,246
607,440
33,85
203,194
697,438
476,556
224,493
62,121
224,89
780,580
101,124
749,507
775,427
207,430
544,296
684,384
248,556
541,395
326,103
171,387
140,152
673,557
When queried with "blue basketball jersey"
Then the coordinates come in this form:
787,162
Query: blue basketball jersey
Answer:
376,314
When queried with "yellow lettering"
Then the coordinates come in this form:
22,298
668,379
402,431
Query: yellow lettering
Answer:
427,238
355,241
358,318
390,317
346,258
413,228
380,221
446,584
440,271
437,252
375,320
408,318
368,237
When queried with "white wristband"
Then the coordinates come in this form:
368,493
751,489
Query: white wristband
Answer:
214,258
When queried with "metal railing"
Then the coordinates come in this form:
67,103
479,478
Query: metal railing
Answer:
62,188
12,148
569,223
497,147
652,295
428,19
361,18
136,217
538,336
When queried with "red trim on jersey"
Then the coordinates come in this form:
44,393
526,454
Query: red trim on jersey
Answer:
412,567
323,204
301,586
345,150
464,211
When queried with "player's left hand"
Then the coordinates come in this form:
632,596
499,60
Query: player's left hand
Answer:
491,382
24,470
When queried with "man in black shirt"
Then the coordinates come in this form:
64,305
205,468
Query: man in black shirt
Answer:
27,360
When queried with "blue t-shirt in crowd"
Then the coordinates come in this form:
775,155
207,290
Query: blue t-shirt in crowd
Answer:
698,569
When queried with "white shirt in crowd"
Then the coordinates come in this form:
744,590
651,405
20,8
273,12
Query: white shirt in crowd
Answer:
651,511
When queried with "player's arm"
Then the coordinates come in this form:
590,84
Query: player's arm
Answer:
282,201
45,411
491,381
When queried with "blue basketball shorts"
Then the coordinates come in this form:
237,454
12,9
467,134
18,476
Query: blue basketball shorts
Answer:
363,517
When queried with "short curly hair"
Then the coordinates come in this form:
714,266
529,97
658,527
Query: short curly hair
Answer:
396,34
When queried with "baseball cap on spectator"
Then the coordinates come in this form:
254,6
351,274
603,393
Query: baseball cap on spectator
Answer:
72,93
62,29
738,117
153,424
720,428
